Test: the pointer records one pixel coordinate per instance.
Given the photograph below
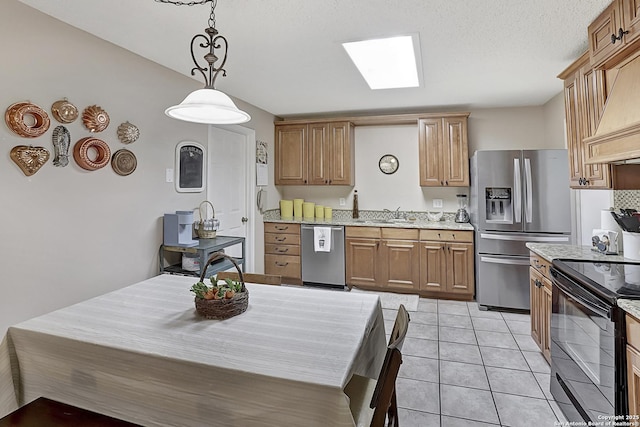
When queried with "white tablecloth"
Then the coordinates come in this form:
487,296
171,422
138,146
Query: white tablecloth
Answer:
142,354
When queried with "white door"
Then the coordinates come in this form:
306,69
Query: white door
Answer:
227,186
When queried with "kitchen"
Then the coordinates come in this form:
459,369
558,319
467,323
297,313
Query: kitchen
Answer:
54,210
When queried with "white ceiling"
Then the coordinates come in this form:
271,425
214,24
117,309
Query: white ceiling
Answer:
285,56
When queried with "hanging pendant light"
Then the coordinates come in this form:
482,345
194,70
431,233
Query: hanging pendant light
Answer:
208,105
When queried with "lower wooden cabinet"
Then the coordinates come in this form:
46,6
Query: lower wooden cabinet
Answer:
540,293
436,263
362,248
399,259
446,263
633,364
282,251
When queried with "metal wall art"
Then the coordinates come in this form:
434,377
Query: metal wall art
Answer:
61,143
64,111
95,118
82,157
124,162
28,158
26,119
128,133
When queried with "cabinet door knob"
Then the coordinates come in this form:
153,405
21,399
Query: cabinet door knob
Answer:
282,250
621,33
281,228
280,239
282,264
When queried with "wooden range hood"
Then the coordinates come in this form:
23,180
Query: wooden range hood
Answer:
618,135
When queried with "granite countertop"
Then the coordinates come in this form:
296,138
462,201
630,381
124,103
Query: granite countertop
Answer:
438,225
553,251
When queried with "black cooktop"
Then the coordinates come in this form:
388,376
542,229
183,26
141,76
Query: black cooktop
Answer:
609,280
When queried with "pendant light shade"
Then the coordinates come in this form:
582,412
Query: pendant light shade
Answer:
209,106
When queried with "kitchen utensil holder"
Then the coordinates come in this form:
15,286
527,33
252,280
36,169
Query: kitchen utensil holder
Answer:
206,227
221,309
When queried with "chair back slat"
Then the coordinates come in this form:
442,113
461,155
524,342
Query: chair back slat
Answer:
264,279
384,395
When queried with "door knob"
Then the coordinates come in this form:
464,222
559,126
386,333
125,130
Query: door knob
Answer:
245,219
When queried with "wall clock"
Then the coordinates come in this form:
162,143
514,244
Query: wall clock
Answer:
388,164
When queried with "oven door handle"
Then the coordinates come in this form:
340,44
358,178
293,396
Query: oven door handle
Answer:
580,296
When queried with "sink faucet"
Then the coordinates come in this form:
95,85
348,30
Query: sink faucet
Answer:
395,214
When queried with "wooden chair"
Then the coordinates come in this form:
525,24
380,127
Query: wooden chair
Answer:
373,402
264,279
44,412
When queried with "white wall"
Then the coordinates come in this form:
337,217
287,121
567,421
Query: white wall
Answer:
68,234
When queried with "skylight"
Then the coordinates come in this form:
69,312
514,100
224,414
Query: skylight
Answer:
385,63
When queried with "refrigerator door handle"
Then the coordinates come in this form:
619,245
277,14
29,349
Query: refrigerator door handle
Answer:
508,261
528,212
517,194
524,238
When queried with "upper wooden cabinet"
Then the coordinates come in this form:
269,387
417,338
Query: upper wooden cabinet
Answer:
615,34
314,154
443,151
584,99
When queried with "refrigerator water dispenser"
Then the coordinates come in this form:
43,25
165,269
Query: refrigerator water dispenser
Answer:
498,203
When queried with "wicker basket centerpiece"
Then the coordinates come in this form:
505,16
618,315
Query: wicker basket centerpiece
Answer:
220,300
207,227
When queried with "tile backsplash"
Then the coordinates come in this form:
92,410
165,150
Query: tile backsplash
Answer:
626,199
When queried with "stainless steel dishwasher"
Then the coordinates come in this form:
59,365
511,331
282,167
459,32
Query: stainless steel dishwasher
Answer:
323,268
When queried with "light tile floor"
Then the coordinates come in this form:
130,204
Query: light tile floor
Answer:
467,367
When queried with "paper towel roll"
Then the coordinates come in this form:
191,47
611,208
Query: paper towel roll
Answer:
608,223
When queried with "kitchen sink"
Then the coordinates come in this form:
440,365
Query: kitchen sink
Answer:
380,221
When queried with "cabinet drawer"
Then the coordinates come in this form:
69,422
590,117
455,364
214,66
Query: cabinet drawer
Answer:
633,332
281,227
367,232
400,233
282,239
270,248
540,264
447,235
283,265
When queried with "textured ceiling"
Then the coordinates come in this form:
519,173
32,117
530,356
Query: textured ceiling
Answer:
285,56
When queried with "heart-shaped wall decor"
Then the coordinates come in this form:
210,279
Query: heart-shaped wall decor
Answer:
29,159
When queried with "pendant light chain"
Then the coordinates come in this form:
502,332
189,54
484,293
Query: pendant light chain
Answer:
212,15
183,3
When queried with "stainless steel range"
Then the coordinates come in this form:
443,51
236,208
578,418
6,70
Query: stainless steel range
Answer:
588,358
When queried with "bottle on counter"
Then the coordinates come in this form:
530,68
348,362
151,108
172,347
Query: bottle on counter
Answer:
356,211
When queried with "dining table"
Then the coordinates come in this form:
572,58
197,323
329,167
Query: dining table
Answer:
143,354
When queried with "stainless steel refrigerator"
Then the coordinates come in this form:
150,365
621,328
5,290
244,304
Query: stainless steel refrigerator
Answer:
517,196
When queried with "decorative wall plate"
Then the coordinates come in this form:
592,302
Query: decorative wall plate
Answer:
27,120
124,162
28,158
128,133
81,153
64,111
95,118
61,142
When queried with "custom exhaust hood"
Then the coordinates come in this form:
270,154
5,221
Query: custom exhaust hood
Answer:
618,135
